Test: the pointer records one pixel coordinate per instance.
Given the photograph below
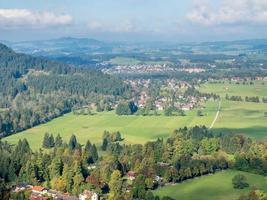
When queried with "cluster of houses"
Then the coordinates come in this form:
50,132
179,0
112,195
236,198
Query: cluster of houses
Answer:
163,101
42,193
139,68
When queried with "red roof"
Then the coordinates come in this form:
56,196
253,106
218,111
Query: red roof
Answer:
38,188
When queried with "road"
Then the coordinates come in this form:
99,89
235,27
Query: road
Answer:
216,116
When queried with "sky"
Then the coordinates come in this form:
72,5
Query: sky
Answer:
134,20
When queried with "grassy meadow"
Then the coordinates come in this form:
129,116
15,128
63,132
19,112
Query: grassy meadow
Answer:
135,129
240,117
213,187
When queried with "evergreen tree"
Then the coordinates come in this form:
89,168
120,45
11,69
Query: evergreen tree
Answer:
58,141
46,141
104,144
94,153
73,142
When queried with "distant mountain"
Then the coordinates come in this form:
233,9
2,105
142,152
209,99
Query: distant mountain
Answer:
57,47
260,44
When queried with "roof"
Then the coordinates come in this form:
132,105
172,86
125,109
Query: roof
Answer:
38,188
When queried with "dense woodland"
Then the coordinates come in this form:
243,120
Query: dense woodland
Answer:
186,154
35,90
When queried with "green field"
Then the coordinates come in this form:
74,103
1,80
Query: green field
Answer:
258,89
240,117
212,187
135,129
124,61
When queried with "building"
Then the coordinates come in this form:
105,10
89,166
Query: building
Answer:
86,195
39,190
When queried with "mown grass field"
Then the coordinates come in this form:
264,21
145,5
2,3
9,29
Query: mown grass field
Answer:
241,117
259,88
212,187
135,129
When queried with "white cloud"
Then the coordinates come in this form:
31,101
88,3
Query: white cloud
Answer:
229,12
124,26
13,18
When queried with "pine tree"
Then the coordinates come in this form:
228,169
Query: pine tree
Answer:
88,146
58,141
94,153
73,142
104,144
46,141
51,141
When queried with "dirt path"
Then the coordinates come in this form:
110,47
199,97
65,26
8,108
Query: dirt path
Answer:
216,116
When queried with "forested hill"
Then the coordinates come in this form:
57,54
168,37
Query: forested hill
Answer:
35,90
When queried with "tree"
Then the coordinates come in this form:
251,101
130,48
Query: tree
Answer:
239,181
58,141
78,178
88,146
46,141
73,142
104,144
94,153
123,109
115,184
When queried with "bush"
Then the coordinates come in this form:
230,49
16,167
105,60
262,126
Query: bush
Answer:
239,181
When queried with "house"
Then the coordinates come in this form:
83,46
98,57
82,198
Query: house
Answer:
39,190
88,195
131,175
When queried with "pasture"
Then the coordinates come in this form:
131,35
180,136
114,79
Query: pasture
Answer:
259,88
135,129
212,187
240,117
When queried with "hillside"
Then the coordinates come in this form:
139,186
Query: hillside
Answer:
35,90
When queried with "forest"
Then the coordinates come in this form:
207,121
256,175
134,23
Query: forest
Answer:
188,153
35,90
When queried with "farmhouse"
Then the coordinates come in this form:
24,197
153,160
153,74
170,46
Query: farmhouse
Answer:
39,190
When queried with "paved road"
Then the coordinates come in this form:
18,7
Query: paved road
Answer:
217,115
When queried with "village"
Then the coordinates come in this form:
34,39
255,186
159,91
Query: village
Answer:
149,68
172,93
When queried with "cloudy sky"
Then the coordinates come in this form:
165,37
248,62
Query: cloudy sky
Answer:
134,20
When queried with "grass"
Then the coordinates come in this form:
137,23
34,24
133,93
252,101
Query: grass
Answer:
212,187
258,89
240,117
135,129
243,118
124,61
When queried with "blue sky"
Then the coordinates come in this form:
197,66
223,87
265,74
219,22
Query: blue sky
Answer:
133,20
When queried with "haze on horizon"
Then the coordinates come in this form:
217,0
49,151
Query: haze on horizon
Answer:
134,20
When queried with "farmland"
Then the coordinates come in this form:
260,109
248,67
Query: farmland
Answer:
212,187
240,117
135,129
